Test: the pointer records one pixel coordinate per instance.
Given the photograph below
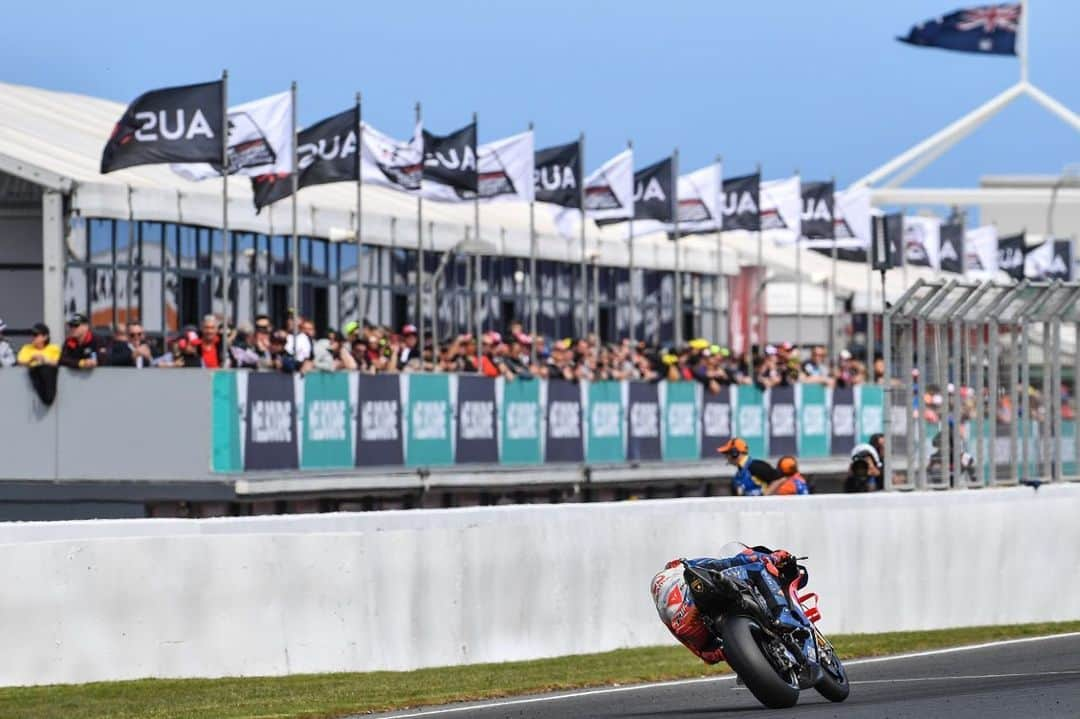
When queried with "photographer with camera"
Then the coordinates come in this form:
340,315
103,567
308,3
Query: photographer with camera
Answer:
867,468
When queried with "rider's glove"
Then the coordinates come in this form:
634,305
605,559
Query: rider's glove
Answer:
781,558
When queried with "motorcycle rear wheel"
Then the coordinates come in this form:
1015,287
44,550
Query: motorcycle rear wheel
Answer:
743,651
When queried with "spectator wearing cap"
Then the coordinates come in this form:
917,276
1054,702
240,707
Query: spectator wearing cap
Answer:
517,356
280,357
752,476
187,350
408,355
40,351
78,351
491,359
7,354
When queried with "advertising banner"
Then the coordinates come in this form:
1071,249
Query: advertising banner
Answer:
605,426
429,421
783,434
643,408
378,421
715,421
751,422
843,420
871,411
813,421
477,438
270,422
564,436
520,415
226,455
680,421
327,421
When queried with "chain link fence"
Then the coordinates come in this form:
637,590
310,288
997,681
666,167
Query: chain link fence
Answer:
982,380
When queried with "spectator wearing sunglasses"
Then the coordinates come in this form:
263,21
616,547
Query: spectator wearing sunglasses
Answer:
129,347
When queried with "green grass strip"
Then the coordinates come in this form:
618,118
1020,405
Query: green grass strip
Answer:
323,696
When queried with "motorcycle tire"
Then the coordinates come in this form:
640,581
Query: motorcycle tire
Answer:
747,658
833,684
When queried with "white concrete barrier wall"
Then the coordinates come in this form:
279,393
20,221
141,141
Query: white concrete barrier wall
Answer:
88,601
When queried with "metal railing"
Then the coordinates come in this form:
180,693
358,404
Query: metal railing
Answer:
977,384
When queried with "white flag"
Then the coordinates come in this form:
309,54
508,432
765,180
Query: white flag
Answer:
390,162
852,219
505,172
981,252
699,204
922,241
260,141
609,195
781,209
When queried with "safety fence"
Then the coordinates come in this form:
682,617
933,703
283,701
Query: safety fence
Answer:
269,421
982,384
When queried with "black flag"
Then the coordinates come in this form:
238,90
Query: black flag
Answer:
451,159
653,192
742,203
951,250
557,175
174,124
325,153
1011,251
819,208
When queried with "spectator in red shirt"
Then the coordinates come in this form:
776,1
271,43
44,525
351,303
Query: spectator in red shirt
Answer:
211,343
78,351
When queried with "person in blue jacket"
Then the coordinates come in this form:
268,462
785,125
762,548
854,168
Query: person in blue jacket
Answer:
752,476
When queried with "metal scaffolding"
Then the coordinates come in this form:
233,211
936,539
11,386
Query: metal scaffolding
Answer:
982,384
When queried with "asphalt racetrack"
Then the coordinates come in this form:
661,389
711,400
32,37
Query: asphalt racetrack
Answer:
1019,678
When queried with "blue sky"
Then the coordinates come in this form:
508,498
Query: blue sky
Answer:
818,86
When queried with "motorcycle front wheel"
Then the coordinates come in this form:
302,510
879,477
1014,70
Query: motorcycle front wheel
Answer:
744,650
833,684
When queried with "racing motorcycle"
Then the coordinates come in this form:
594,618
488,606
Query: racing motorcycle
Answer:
774,664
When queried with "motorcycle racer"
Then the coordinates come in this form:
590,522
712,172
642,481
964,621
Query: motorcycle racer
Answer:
675,603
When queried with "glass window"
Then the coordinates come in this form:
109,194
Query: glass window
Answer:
152,237
101,241
187,246
150,288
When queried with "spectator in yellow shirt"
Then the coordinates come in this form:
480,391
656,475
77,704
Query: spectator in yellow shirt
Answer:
40,350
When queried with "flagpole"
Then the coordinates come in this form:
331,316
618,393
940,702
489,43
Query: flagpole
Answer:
718,293
294,174
870,310
831,294
476,231
532,267
759,309
359,194
584,300
420,250
630,264
798,278
675,237
224,215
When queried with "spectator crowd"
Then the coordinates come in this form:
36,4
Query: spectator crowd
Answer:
297,347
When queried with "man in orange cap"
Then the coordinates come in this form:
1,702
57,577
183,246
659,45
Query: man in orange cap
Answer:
752,476
791,481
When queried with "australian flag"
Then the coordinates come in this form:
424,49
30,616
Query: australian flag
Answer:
988,29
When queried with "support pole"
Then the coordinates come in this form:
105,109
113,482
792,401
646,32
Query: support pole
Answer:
1023,49
798,284
831,294
633,308
420,259
225,212
719,298
870,314
481,304
759,296
294,175
886,344
534,291
675,239
978,357
583,301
